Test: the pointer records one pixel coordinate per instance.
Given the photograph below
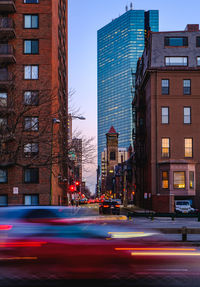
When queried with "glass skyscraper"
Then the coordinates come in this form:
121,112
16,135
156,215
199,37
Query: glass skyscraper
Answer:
120,44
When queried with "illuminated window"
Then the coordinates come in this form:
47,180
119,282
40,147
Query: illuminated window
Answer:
188,147
191,179
165,179
179,179
165,148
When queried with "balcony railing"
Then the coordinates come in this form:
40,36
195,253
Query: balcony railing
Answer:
6,28
7,54
7,6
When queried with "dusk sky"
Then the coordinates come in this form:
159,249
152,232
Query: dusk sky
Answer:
85,18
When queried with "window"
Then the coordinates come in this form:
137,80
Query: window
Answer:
165,115
176,61
191,179
198,61
31,1
165,87
198,41
3,200
3,175
176,41
112,155
186,87
31,149
31,98
3,123
165,179
187,115
31,123
31,21
31,72
179,179
31,46
188,147
32,199
31,175
165,147
3,99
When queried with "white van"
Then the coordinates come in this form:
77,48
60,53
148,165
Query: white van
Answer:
183,206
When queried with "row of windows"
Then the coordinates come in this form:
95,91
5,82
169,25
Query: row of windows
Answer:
179,41
30,98
179,179
186,115
165,147
179,61
30,175
186,84
29,199
30,123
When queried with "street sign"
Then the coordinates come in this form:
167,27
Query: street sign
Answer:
15,190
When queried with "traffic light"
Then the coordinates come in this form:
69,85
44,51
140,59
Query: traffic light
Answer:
77,183
72,188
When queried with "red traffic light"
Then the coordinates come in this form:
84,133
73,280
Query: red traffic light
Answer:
77,183
72,188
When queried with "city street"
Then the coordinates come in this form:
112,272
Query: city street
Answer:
102,250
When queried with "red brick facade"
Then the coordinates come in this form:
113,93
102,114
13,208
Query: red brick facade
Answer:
45,66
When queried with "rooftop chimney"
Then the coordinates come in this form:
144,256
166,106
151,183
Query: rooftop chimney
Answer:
192,27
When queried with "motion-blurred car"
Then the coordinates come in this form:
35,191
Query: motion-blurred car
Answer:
83,201
109,207
91,200
55,246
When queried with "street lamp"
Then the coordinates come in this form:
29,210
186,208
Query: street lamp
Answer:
54,121
77,117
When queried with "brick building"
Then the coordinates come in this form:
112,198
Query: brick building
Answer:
167,106
33,101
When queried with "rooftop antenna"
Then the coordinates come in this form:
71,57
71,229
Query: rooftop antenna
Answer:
131,6
126,8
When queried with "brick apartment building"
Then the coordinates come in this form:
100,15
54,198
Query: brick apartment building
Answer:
33,101
167,106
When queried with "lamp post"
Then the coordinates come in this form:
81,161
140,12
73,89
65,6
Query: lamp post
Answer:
53,121
70,117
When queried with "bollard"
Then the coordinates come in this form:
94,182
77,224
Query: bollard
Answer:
152,216
173,216
184,233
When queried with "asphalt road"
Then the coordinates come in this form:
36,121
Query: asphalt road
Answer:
147,256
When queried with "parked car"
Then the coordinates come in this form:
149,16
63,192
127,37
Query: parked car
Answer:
109,207
184,206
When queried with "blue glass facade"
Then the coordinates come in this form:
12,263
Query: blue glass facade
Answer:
119,45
